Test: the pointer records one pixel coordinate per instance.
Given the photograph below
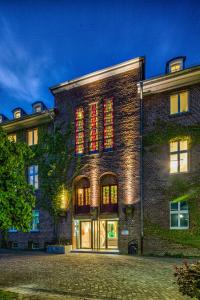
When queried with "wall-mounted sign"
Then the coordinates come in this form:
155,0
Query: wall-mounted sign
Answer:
125,232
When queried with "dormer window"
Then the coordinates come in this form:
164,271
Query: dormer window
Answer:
3,118
17,114
38,107
175,64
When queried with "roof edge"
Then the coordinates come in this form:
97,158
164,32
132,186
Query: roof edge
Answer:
97,75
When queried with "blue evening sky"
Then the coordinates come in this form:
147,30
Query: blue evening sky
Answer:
43,43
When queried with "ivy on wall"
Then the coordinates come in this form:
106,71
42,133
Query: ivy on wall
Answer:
179,188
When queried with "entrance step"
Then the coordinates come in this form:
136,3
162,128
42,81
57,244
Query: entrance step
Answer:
95,251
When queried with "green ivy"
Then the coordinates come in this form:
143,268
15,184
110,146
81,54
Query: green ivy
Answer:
179,188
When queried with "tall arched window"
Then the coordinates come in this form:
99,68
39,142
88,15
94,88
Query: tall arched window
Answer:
82,196
109,193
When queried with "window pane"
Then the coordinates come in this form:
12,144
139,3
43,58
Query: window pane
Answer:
12,137
35,136
113,194
183,205
183,145
87,196
174,220
30,137
174,206
173,146
183,162
184,220
175,67
35,223
80,197
173,104
184,102
106,195
173,163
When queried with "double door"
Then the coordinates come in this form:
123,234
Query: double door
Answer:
99,234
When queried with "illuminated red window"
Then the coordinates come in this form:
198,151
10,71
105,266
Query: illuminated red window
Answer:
79,130
108,124
94,144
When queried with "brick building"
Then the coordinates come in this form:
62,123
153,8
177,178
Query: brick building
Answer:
118,193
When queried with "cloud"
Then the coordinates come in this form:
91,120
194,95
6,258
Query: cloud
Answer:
21,74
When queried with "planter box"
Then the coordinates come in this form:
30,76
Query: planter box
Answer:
59,249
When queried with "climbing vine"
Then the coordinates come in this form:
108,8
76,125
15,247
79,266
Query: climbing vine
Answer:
179,188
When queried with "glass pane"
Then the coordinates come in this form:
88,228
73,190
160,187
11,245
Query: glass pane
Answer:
173,163
30,137
175,67
105,194
183,162
87,196
102,234
184,102
174,220
174,104
36,182
85,234
183,205
183,145
112,234
35,136
173,146
12,137
184,220
113,194
174,206
80,196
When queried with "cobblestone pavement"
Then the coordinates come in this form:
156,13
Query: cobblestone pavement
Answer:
89,276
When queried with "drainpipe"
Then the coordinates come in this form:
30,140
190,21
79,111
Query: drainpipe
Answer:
141,168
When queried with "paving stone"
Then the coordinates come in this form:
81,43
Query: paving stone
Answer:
89,276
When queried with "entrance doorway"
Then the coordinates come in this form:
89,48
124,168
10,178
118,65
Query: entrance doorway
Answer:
85,234
96,234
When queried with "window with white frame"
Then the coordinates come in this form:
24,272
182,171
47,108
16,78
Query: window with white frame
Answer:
35,221
12,229
32,136
17,114
179,103
33,176
179,156
179,215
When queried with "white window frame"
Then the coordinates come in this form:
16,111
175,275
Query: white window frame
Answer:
34,175
17,114
179,212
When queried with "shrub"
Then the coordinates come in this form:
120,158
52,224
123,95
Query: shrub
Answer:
188,279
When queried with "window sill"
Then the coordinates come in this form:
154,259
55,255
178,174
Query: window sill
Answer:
182,114
179,228
180,173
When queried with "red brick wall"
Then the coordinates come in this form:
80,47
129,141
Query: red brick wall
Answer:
156,165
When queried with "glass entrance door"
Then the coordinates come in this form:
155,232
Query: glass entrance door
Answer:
85,234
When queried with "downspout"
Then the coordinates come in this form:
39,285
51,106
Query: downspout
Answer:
141,168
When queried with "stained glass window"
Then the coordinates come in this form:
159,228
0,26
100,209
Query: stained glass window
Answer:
110,194
108,124
94,143
79,130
